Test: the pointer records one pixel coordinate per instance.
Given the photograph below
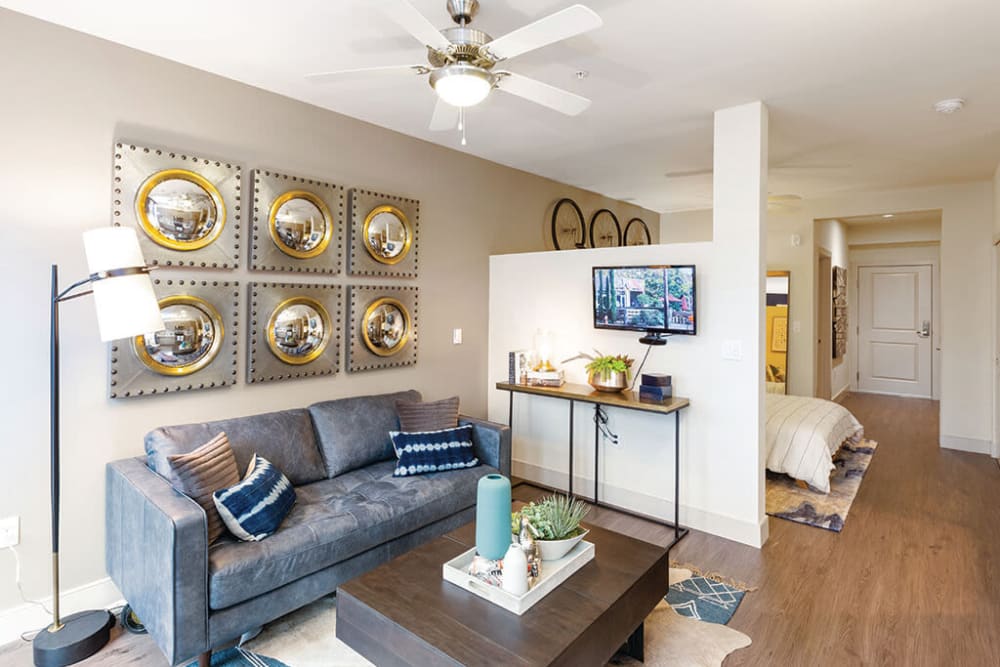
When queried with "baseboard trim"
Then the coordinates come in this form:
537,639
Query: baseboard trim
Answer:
839,396
100,594
973,445
751,533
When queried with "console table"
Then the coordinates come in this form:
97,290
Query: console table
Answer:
581,393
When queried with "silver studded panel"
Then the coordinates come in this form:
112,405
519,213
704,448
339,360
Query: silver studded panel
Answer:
265,254
134,163
360,358
360,263
262,364
129,377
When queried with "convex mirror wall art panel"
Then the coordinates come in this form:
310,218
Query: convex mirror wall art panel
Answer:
297,223
295,331
384,232
196,350
186,208
382,328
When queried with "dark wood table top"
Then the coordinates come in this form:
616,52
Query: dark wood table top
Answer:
587,394
404,613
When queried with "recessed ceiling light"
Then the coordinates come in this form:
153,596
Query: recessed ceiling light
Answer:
952,105
582,74
888,215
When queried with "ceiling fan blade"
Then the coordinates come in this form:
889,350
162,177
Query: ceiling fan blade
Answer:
535,91
413,22
562,25
363,73
445,117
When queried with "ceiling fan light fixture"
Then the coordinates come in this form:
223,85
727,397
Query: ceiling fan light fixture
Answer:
462,85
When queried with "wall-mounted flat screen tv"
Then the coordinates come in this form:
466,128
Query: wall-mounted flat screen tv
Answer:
655,299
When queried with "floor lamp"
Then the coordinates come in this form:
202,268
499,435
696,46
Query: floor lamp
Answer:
126,307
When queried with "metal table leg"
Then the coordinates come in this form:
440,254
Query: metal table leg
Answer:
597,441
510,412
570,492
677,475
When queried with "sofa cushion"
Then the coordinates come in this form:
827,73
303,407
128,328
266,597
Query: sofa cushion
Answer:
254,508
334,520
285,438
198,474
430,416
354,432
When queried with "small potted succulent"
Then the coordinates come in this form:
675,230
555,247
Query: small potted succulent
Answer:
554,522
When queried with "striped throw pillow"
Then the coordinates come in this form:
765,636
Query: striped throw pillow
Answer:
430,416
255,508
433,451
200,473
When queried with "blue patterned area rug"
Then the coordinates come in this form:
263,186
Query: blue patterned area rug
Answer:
240,657
787,500
705,599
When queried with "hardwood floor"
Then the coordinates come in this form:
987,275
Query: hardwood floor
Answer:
913,579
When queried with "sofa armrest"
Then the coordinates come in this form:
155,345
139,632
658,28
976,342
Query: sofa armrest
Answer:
157,555
492,442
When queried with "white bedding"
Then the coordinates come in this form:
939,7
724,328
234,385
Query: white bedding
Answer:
803,434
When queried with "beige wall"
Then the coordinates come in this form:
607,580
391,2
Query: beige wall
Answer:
831,236
894,232
66,97
686,226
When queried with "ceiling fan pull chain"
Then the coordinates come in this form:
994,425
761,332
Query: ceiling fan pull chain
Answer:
461,123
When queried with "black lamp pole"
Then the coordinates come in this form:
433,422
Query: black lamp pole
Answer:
84,633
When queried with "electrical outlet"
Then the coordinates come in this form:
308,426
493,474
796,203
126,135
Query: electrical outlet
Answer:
456,336
10,531
732,350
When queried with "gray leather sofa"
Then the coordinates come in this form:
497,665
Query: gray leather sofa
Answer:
351,515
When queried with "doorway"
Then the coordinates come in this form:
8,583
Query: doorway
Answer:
824,323
894,330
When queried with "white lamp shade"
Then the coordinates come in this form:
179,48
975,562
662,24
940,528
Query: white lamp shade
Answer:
126,305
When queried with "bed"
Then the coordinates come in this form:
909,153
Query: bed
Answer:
803,434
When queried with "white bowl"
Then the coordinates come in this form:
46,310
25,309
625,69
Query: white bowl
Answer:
556,549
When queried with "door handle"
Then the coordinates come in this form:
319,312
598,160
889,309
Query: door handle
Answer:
925,331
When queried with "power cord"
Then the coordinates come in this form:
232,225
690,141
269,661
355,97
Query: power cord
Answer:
639,372
30,634
601,419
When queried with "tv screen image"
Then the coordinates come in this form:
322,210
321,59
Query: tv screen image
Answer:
645,298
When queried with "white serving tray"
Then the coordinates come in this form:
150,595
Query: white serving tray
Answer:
553,573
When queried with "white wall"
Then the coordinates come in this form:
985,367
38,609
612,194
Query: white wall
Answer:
831,235
552,290
74,95
923,231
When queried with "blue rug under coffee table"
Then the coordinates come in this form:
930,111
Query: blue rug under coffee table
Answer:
705,599
240,657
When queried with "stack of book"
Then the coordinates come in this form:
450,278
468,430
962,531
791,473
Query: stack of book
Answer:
517,367
656,387
546,378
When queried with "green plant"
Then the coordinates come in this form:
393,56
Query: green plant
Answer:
605,365
555,517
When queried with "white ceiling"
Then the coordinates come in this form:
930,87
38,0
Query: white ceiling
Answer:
850,83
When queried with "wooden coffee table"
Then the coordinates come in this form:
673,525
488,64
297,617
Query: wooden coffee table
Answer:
404,613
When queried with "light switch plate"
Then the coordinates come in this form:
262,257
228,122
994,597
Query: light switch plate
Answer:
732,350
456,336
10,531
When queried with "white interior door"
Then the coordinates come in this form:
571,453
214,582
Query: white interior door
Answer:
894,341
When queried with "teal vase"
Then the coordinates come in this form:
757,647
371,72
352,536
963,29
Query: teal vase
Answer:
493,517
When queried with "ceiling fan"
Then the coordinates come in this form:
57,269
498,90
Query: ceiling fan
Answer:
462,61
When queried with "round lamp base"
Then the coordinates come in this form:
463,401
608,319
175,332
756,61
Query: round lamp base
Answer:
83,634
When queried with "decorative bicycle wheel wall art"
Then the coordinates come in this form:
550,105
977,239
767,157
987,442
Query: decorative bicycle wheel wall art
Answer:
569,229
605,232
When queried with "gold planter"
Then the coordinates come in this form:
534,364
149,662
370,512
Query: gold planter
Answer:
609,382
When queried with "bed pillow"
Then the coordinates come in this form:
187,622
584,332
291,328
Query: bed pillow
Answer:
255,507
198,474
433,451
429,416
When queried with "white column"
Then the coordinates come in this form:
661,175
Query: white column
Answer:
738,232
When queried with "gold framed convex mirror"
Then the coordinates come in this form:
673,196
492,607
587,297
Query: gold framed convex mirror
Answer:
186,208
383,325
190,340
196,349
776,333
297,223
295,331
384,233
